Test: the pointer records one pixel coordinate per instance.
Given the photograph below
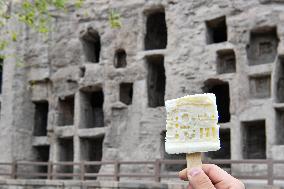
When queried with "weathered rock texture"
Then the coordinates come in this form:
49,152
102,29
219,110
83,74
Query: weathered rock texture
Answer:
90,92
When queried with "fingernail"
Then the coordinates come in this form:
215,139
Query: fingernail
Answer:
194,171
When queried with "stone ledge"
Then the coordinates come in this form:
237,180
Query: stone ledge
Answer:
91,132
64,131
40,141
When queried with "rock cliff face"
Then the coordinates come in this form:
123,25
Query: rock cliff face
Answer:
90,92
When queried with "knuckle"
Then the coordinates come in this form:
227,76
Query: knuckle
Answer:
213,167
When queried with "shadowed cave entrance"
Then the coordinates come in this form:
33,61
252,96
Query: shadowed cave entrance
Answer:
156,81
216,30
280,80
226,61
41,155
91,42
92,150
222,93
40,118
279,126
254,139
66,154
156,31
92,112
120,59
126,93
225,150
66,111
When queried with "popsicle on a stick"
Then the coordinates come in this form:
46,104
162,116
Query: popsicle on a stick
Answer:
192,127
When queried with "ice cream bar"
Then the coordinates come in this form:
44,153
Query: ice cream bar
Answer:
192,125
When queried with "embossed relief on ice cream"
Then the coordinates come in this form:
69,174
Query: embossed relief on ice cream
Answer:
192,124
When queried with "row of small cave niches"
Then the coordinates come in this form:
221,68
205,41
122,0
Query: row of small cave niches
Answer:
155,38
262,47
92,101
262,84
91,149
91,107
259,88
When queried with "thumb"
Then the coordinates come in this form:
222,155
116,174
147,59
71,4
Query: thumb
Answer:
198,179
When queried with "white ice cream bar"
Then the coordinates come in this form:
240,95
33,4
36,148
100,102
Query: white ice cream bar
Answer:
192,124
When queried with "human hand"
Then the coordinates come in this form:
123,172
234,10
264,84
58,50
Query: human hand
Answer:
210,177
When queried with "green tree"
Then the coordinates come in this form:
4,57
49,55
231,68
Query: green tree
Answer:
36,15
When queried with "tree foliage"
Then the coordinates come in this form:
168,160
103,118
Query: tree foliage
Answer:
36,15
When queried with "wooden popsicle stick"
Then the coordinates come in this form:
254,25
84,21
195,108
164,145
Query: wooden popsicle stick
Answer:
193,160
